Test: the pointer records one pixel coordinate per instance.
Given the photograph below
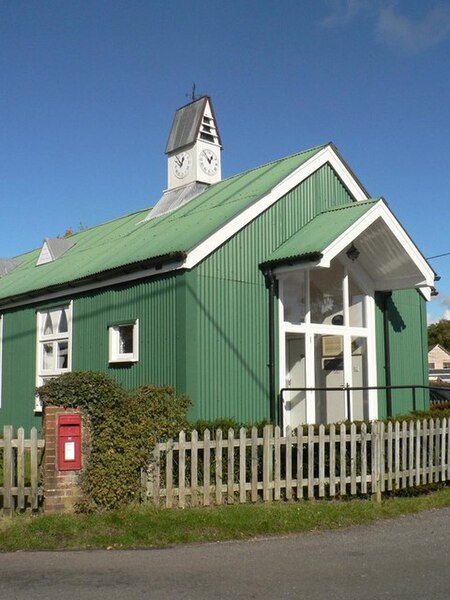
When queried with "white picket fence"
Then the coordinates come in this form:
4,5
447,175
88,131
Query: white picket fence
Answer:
309,462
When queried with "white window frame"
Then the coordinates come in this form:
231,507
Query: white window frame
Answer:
42,339
346,331
115,356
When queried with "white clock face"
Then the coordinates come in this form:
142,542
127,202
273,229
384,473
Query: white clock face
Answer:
208,162
182,164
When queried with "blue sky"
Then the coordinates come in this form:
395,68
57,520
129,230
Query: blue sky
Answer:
88,90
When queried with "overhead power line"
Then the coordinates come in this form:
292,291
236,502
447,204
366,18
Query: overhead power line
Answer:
438,255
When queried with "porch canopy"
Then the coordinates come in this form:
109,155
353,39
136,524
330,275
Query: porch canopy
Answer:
381,247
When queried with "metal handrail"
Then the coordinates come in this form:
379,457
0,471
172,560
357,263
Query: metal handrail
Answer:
347,389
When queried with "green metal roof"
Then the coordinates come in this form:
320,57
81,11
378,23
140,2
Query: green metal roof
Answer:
131,240
311,240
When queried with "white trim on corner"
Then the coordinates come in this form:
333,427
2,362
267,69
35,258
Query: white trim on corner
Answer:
324,156
1,357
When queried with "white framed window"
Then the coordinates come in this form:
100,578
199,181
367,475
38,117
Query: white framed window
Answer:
54,348
124,341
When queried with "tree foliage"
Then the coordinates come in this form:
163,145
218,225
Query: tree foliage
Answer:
439,333
124,429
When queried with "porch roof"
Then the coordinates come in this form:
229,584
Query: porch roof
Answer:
309,243
386,254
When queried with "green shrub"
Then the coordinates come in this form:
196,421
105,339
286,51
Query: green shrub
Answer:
124,426
90,391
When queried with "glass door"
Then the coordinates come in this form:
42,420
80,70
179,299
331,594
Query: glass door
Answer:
295,401
329,373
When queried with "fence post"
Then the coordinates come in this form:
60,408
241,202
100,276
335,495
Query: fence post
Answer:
7,470
156,475
267,464
376,457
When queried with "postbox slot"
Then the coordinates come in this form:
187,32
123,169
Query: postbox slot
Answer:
72,430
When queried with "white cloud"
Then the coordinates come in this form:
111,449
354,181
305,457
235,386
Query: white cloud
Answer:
343,12
440,309
409,36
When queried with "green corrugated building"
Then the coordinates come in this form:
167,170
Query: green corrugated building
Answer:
283,277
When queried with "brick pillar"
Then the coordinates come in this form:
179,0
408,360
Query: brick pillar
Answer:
61,488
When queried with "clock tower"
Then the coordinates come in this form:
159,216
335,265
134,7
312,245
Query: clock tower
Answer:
194,146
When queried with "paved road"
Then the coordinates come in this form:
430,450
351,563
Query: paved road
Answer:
404,559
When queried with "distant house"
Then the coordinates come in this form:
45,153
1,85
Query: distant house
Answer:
282,277
439,363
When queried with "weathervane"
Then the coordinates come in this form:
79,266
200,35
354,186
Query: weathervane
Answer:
192,95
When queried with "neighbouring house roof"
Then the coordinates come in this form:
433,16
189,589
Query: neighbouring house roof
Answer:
438,347
130,240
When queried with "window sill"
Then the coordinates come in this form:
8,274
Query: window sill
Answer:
123,359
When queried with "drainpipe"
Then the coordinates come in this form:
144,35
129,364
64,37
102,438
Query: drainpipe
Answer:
270,280
387,352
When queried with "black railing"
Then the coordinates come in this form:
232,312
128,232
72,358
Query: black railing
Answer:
348,389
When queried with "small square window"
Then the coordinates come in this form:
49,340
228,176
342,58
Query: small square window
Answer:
124,342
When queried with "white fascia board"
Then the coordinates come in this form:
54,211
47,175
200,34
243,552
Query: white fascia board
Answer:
406,283
324,156
426,292
380,211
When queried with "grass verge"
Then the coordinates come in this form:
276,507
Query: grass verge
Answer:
146,526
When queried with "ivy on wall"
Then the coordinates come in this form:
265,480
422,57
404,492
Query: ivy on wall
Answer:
124,429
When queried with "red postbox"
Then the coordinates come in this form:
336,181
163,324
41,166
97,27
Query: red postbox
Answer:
69,442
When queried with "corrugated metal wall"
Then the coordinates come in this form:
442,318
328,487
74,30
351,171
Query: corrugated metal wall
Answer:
19,368
153,302
231,338
407,333
206,331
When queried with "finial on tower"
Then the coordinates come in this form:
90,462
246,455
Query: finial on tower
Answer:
192,95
